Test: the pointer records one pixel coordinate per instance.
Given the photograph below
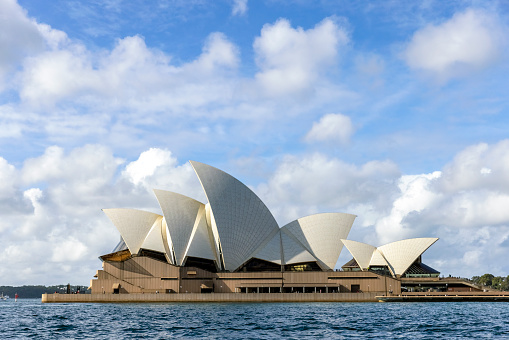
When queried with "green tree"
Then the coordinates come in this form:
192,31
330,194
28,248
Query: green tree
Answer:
496,282
486,279
505,284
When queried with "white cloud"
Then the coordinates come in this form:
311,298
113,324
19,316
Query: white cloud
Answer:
478,167
415,196
218,52
316,183
14,19
33,195
59,215
332,127
239,7
36,38
147,164
291,60
8,179
68,250
460,196
158,169
70,94
130,76
65,90
469,40
485,171
55,201
472,258
463,204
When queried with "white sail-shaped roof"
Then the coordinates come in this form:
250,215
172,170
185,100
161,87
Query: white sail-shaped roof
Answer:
133,225
271,250
293,250
361,252
167,242
154,239
201,242
378,259
235,226
398,256
242,220
401,254
321,234
180,213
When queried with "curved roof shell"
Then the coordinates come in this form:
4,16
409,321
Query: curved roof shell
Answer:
379,260
201,242
154,239
270,250
398,256
181,214
321,235
361,252
401,254
293,250
134,225
233,227
242,220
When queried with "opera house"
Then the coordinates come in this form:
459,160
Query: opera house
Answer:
233,244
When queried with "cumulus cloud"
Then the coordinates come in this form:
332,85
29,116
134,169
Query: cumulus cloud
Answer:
316,183
217,52
459,196
56,200
14,19
159,169
69,93
469,40
332,127
415,196
465,205
130,73
37,38
291,59
55,208
477,167
8,179
239,7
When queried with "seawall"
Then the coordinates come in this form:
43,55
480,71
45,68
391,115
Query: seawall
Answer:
214,297
446,297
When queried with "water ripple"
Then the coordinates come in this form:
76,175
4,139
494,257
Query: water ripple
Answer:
30,319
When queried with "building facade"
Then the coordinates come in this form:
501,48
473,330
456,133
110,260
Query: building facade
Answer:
233,244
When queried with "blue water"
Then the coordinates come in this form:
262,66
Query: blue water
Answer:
31,319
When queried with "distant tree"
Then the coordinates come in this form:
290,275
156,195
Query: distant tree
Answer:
27,292
486,279
496,282
505,284
475,279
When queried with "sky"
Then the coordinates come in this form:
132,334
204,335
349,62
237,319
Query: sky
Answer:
395,111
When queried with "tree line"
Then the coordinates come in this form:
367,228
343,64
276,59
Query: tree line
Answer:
492,281
31,292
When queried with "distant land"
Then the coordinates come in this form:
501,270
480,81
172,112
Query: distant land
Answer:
31,292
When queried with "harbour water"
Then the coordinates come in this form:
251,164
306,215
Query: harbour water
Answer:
29,318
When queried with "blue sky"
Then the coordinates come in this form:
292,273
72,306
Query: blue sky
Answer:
394,111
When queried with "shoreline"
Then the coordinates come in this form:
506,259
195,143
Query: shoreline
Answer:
213,297
275,297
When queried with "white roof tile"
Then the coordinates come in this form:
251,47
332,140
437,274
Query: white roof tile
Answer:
241,226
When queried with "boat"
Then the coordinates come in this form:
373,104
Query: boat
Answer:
4,297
